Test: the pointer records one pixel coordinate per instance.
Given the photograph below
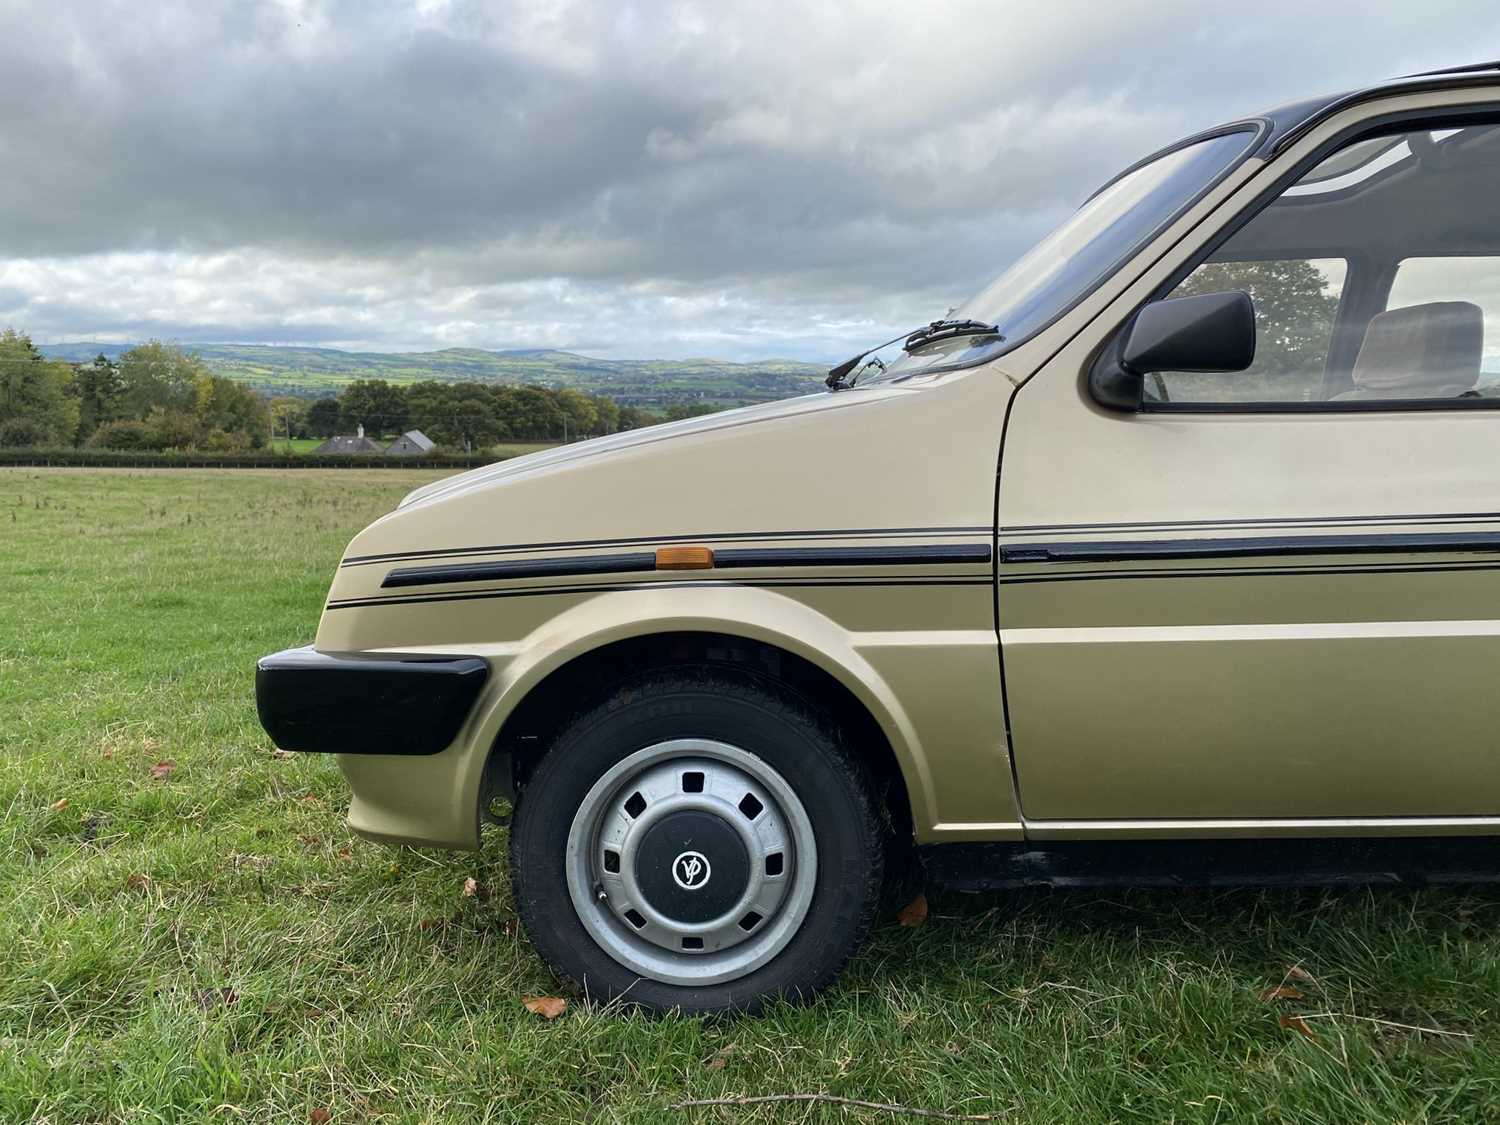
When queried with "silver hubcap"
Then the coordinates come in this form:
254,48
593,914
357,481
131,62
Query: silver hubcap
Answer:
691,862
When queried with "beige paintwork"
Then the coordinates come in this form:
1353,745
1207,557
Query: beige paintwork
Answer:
1177,704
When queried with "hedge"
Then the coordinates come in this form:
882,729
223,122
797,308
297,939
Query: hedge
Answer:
258,459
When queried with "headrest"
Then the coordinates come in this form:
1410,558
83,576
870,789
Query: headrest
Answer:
1422,346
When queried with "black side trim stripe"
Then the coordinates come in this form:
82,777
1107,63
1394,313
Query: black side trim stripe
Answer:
853,556
732,558
654,540
521,568
1479,542
1262,521
613,587
1244,572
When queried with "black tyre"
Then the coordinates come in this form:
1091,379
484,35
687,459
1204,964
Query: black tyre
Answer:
701,840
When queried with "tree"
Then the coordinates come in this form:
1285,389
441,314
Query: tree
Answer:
288,416
224,406
36,389
323,417
633,418
461,415
100,390
609,414
159,375
680,410
124,433
375,404
581,417
20,433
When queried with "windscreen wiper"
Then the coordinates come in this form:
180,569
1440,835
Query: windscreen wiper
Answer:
945,329
938,330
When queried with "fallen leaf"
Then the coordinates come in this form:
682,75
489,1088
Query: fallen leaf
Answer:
59,804
720,1058
548,1007
138,882
345,853
320,1116
471,887
1282,992
1299,974
282,755
1297,1024
914,913
163,770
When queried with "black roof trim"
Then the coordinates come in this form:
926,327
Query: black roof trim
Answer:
1321,109
1469,68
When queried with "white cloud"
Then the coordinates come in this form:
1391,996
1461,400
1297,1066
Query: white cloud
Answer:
642,178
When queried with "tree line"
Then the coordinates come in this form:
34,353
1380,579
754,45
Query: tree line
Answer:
464,416
155,396
158,397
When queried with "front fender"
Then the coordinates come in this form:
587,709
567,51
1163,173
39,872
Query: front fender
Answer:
437,800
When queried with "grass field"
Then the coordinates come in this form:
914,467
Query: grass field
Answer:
189,932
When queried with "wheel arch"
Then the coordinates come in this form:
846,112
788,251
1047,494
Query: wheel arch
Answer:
546,682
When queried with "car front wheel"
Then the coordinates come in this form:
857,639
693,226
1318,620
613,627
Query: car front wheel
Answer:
701,840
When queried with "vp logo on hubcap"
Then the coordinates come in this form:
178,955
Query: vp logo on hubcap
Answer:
691,871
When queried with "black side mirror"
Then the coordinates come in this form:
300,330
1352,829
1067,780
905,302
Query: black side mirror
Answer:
1210,332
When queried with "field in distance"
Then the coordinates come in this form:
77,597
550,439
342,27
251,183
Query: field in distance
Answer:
652,384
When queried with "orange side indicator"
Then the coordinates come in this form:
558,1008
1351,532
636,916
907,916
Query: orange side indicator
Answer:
684,558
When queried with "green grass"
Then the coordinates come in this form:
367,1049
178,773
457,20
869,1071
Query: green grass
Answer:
214,945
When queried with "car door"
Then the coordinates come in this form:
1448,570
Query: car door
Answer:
1272,598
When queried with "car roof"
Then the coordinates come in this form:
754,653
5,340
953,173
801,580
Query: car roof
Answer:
1283,124
1289,121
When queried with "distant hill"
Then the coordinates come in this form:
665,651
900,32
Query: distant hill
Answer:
646,383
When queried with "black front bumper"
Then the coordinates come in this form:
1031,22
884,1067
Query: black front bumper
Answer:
318,702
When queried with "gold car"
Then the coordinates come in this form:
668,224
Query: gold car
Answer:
1169,557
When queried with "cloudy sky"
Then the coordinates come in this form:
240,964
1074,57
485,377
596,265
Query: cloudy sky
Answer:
726,178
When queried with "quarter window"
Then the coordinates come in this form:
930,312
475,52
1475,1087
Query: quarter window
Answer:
1423,281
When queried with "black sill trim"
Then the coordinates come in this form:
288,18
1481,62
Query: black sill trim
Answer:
653,540
731,558
358,704
1481,542
661,584
1274,861
520,568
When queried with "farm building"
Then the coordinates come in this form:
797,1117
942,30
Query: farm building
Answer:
413,443
349,443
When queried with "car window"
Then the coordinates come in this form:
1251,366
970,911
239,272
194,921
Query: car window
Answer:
1423,281
1374,278
1295,303
1059,270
